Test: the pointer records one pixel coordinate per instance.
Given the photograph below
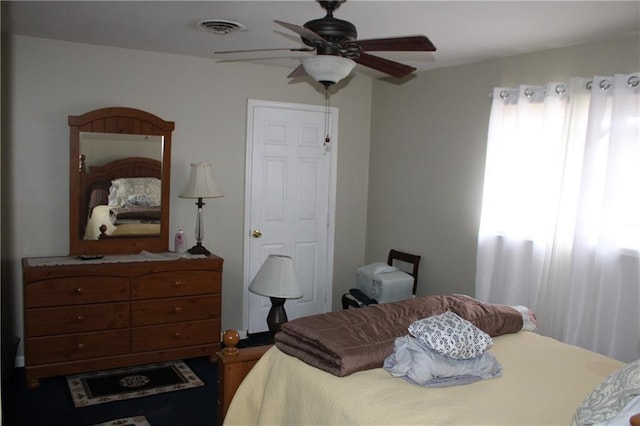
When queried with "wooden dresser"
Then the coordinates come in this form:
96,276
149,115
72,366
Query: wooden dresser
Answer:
118,311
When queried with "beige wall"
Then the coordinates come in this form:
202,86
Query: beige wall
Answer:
428,149
418,190
48,80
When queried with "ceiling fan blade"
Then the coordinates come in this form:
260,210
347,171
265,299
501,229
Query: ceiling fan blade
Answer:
298,49
397,44
303,32
298,72
395,69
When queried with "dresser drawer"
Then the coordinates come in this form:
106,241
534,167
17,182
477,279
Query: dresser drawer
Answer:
71,347
74,319
162,311
175,283
76,291
117,311
175,335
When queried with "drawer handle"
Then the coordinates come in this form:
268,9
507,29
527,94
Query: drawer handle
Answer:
81,346
177,335
178,283
177,309
79,290
80,318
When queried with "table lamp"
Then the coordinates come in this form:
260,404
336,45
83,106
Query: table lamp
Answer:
277,280
201,185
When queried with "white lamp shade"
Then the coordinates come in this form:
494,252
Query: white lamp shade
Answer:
328,68
276,278
201,183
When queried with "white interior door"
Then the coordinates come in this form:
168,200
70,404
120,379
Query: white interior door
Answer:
290,200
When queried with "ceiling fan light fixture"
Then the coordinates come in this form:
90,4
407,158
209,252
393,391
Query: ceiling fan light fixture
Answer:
328,69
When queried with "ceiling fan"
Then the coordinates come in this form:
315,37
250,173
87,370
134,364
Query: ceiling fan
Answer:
338,49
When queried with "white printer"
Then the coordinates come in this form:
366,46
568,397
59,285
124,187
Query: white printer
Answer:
384,283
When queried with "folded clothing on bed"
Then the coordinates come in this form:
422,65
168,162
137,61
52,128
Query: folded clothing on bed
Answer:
443,350
351,340
421,365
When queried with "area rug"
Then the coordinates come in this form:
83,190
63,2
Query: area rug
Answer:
127,421
99,387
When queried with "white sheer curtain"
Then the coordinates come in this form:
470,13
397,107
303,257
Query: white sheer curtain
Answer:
560,226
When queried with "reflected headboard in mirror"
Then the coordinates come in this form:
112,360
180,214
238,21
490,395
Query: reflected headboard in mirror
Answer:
120,163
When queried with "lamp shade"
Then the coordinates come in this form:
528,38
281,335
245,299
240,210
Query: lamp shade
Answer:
328,69
276,278
201,183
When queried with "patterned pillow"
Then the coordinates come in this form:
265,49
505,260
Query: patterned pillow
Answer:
121,189
451,335
610,397
138,200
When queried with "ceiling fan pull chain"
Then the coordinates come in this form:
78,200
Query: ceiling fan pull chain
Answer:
327,138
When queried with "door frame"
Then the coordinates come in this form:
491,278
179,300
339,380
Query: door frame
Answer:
333,125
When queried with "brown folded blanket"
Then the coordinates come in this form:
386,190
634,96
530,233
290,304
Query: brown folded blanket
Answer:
347,341
120,215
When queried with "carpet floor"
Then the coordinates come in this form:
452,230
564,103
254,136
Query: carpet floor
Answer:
51,404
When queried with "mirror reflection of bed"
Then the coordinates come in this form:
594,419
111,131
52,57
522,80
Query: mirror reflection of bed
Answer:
120,199
117,143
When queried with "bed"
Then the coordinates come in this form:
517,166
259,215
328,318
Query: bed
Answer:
121,199
542,380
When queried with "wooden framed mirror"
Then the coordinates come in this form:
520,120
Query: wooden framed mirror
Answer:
120,173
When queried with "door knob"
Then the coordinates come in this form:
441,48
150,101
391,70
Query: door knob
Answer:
256,233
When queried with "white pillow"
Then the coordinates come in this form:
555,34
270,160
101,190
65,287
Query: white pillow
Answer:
123,188
451,335
529,321
113,195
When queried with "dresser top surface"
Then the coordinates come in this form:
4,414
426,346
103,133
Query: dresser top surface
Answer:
107,259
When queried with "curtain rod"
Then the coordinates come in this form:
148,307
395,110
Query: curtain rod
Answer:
633,81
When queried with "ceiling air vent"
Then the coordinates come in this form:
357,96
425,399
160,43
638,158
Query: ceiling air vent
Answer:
220,26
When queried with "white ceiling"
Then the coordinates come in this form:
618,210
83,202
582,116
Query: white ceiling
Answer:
463,31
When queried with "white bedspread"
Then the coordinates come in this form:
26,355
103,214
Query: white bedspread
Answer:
543,383
99,217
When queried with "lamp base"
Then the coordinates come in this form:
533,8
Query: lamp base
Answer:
199,249
277,315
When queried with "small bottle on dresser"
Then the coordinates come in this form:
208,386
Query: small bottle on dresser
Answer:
180,242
